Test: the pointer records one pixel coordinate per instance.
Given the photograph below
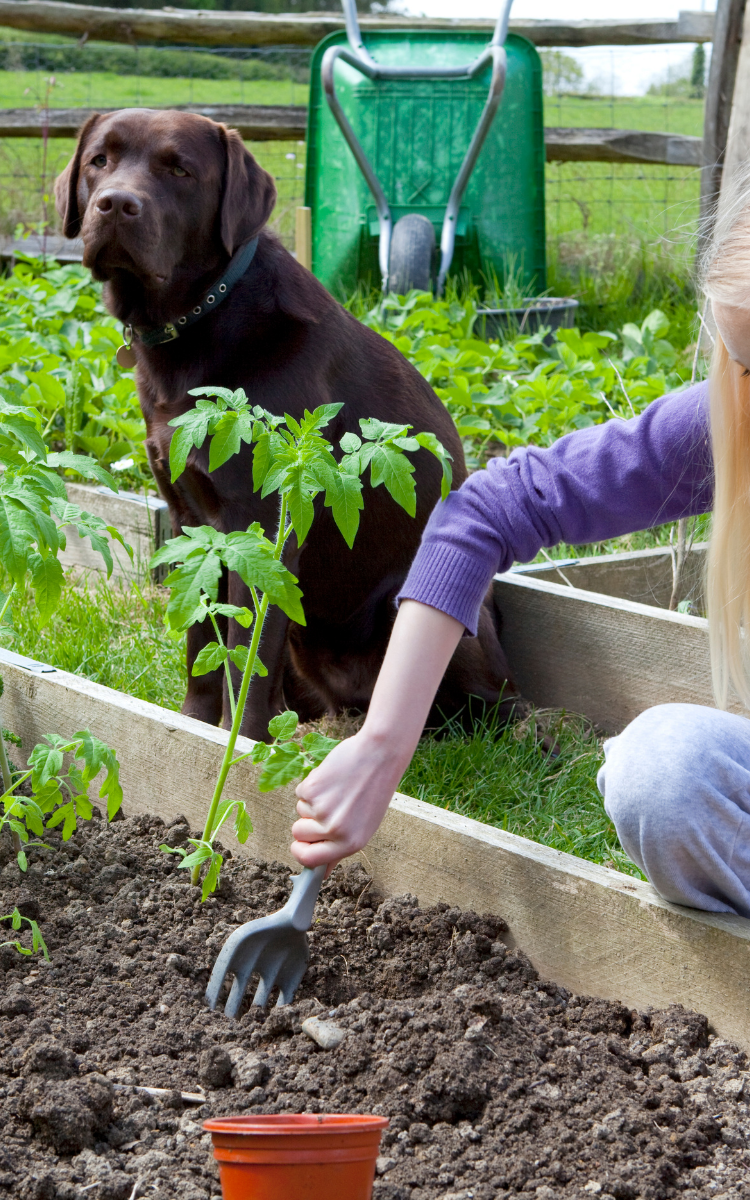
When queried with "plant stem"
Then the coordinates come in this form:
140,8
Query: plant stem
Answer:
7,786
4,764
4,609
247,675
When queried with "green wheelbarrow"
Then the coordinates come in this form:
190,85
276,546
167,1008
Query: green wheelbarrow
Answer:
419,139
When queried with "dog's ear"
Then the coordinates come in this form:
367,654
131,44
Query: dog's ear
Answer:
66,185
248,196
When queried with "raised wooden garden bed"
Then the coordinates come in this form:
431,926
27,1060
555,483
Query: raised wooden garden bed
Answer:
143,522
591,929
607,646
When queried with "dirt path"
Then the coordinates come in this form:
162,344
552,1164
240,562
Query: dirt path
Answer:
496,1083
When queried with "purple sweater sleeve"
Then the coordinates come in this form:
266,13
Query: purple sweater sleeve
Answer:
591,485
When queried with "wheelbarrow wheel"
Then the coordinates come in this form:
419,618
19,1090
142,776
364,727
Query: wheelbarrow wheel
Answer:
412,254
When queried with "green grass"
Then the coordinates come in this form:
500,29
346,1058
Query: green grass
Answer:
109,633
91,89
508,780
114,635
28,172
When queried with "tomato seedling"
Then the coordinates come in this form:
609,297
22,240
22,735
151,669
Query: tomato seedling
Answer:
294,460
34,512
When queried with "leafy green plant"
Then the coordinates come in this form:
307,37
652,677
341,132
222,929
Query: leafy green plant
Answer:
57,347
507,393
59,793
37,941
293,459
34,511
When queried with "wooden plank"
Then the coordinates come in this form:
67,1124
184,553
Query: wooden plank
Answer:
621,145
596,931
255,122
599,655
144,525
718,107
644,576
210,28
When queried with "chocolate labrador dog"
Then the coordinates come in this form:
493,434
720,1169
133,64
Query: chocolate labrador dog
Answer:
169,206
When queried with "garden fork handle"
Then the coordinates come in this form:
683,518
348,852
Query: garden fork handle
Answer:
305,888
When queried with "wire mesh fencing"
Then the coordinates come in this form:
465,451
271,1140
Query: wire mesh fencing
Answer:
48,75
603,212
597,212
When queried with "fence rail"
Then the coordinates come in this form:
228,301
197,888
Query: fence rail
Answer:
210,28
255,122
287,122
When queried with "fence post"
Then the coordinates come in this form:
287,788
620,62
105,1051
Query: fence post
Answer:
725,54
303,237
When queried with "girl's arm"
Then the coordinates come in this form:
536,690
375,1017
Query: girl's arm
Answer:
343,801
592,485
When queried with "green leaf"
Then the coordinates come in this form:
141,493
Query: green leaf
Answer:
242,616
430,442
225,441
211,879
391,467
238,655
317,746
285,764
17,534
251,555
344,498
199,573
243,826
46,760
284,725
297,491
22,860
210,658
83,465
350,443
26,432
65,815
47,580
261,751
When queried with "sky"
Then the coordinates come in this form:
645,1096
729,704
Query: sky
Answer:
625,70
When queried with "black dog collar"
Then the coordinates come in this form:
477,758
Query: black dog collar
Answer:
238,265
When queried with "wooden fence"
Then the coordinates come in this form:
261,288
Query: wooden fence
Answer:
243,29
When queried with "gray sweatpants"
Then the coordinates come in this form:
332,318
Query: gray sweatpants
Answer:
676,783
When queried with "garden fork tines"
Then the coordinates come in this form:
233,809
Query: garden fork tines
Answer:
275,947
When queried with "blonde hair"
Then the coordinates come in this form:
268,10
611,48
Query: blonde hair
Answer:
726,279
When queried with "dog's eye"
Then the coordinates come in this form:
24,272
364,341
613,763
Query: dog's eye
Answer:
179,171
100,160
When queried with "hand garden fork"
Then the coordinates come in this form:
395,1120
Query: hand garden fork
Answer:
275,947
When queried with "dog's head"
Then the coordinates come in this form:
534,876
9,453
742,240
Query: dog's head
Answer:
153,191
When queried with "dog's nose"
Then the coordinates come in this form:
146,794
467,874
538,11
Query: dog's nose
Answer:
116,204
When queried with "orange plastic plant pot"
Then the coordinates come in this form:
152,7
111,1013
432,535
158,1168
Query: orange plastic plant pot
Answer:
330,1156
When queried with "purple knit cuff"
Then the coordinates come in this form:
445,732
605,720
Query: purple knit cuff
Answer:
449,580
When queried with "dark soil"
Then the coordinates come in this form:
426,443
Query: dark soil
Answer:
496,1082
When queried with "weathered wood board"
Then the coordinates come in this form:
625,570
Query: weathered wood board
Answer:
204,27
596,931
599,654
144,524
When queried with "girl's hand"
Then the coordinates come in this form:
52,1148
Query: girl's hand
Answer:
343,801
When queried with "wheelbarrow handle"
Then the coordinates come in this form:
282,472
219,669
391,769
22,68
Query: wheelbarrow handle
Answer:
305,888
